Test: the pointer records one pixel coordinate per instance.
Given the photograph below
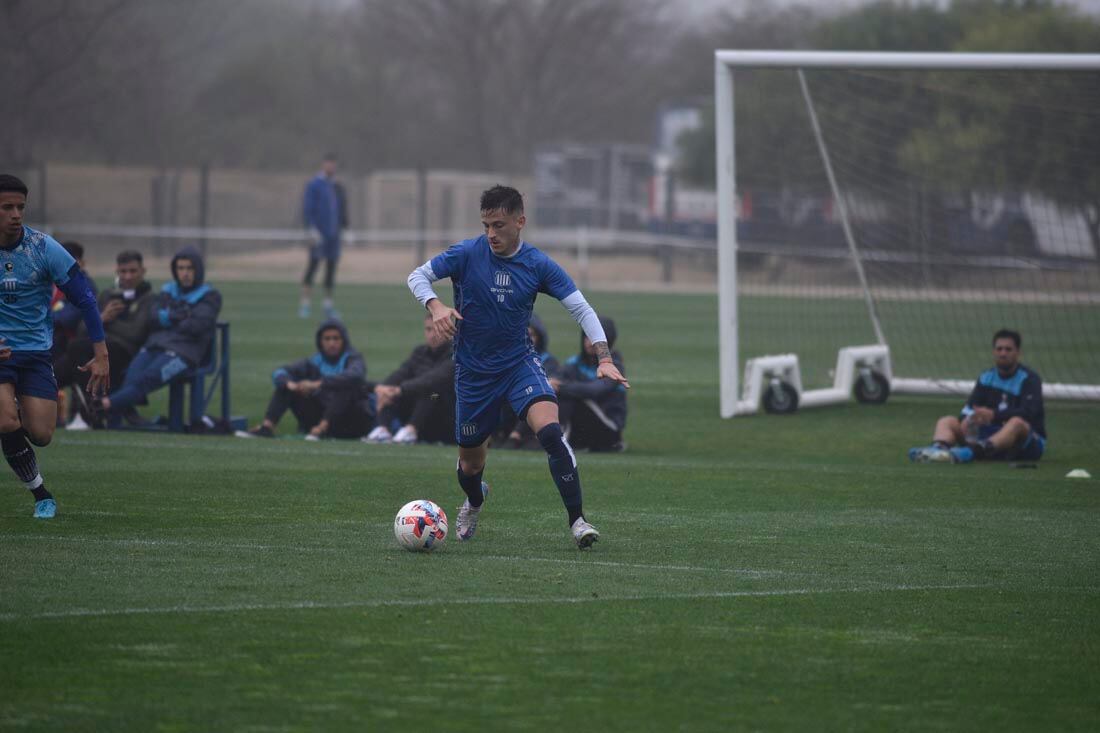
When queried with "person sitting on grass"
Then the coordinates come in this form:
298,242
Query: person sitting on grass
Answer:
593,410
327,392
419,395
1002,419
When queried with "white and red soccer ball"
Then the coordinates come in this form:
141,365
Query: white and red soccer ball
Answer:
420,526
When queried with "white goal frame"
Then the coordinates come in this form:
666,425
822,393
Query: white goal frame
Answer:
725,61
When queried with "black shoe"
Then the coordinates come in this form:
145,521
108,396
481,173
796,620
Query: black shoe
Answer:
260,431
131,417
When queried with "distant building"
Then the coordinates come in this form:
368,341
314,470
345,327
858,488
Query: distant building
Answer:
599,186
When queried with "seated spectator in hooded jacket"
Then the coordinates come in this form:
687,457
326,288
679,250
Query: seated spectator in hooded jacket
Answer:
327,392
185,316
593,411
419,396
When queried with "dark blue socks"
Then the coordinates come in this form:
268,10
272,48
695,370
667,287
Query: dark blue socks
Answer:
563,468
472,486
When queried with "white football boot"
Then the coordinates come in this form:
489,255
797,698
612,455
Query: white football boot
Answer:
584,533
468,515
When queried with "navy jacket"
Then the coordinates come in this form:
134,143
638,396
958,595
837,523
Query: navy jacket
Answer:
1020,395
346,374
185,319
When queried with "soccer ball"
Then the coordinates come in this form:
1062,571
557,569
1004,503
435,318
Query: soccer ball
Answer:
420,526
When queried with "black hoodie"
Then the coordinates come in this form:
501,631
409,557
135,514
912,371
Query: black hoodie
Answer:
184,319
344,374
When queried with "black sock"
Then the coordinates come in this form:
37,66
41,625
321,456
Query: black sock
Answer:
983,449
472,486
563,469
40,493
21,458
940,444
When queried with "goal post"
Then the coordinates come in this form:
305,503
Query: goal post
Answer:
874,224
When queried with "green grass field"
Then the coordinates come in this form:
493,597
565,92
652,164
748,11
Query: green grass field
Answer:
761,573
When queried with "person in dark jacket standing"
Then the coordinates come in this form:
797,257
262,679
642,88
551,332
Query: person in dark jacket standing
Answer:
419,395
185,316
325,215
328,392
592,410
1002,419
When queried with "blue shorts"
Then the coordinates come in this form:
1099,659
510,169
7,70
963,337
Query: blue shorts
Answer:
478,397
1030,450
32,374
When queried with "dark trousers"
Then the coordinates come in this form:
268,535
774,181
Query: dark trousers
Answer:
434,419
347,416
330,268
586,425
150,370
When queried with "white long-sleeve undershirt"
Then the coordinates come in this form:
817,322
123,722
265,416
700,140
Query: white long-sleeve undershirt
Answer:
420,283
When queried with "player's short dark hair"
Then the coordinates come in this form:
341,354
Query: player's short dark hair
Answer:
1008,333
502,198
76,249
129,255
11,184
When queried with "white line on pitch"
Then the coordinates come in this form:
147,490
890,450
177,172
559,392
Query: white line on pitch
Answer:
128,542
639,566
488,601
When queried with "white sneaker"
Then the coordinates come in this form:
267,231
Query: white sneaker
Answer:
313,438
406,435
584,534
930,454
468,515
77,423
379,435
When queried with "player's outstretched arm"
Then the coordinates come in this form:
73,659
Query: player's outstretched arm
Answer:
606,368
99,381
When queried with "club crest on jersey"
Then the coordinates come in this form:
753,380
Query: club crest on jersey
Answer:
9,266
501,281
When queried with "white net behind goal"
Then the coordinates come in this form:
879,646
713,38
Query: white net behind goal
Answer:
973,204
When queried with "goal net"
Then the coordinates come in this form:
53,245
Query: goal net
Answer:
918,201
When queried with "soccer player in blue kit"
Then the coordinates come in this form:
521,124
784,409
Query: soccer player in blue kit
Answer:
496,278
30,264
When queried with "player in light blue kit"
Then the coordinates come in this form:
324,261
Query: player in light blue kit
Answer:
30,264
496,278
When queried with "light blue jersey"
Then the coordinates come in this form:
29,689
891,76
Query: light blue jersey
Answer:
28,272
495,296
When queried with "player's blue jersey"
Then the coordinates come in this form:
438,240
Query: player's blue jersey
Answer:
28,272
495,296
